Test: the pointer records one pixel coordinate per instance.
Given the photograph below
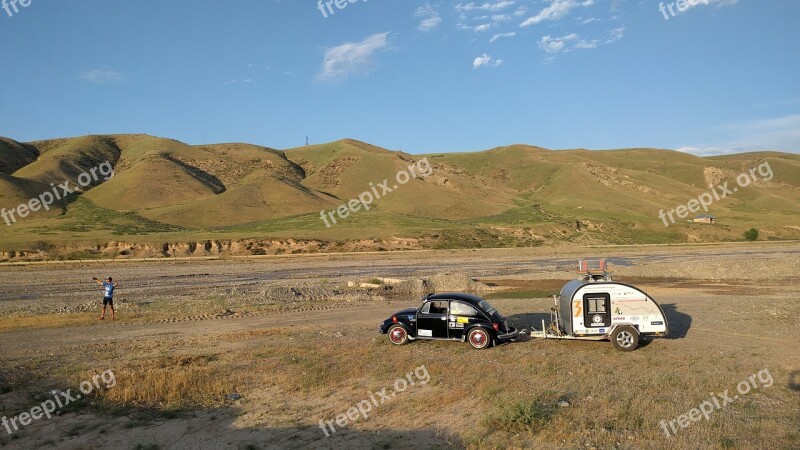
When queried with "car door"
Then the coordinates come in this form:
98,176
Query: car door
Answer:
432,320
461,315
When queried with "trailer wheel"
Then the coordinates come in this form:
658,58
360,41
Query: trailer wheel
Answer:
625,338
479,338
398,335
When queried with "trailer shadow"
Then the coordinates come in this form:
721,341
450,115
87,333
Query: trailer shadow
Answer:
794,381
679,323
216,428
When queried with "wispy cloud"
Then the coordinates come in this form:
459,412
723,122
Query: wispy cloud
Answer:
352,58
486,61
615,35
572,41
775,134
502,35
102,76
717,3
428,17
557,9
237,81
488,6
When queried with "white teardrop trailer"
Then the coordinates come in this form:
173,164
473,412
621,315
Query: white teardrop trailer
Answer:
597,308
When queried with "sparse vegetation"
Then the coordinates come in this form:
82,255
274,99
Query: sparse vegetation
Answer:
529,415
751,234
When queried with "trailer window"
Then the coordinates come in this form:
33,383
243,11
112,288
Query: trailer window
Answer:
596,305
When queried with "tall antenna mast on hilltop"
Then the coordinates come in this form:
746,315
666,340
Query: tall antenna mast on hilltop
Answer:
306,140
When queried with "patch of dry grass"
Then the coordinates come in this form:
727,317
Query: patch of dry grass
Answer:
46,321
172,383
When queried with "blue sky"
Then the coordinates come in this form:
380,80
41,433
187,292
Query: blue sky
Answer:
412,75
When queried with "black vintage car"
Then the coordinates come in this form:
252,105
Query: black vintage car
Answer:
450,316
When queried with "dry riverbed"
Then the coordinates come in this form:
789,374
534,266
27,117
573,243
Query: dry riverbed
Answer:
254,354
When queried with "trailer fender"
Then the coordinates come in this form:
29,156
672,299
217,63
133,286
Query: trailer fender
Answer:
622,324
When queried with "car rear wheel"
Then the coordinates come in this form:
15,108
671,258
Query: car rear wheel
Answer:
398,335
479,338
625,338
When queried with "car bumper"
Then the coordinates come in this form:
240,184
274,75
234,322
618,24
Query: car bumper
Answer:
512,334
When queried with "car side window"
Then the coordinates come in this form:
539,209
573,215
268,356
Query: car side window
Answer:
458,308
436,307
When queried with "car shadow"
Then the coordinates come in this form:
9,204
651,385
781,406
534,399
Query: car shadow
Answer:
679,322
528,321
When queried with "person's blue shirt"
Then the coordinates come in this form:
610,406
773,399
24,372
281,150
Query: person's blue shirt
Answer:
109,289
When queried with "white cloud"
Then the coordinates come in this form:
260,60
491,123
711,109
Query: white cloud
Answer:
483,27
429,18
775,134
352,58
556,10
486,61
707,151
587,44
502,35
556,44
488,6
102,76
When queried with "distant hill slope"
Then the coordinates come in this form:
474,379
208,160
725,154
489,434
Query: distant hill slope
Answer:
514,195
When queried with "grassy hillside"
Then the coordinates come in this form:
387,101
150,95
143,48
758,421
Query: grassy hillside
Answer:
167,191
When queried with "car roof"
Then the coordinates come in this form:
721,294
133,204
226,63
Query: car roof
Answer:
469,298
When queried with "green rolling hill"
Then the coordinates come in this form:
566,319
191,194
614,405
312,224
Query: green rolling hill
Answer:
167,191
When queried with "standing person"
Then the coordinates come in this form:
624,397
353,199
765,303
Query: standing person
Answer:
108,295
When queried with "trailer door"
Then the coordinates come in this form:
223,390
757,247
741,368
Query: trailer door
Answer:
597,310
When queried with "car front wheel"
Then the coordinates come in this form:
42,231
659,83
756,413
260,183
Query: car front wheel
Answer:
398,335
479,338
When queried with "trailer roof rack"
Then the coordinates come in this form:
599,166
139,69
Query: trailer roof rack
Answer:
594,270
